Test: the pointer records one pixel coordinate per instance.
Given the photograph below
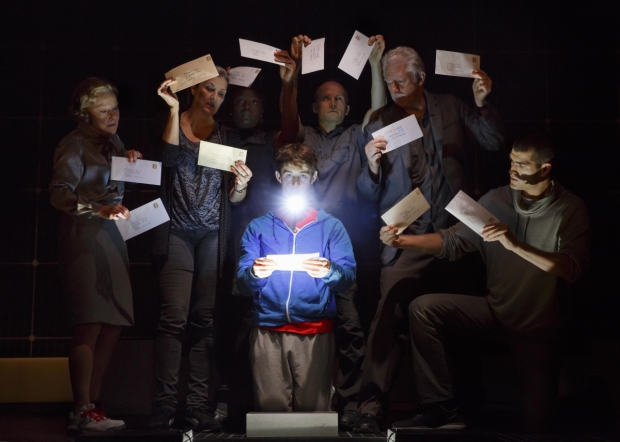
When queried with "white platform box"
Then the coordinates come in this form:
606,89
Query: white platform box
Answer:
310,424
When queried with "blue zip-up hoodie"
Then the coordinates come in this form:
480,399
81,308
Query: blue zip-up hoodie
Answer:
291,297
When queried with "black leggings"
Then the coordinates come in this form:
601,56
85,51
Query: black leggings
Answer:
188,285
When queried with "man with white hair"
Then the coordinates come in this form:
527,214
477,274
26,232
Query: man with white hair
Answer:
433,164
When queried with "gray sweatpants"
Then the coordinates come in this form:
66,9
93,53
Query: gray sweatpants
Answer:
292,372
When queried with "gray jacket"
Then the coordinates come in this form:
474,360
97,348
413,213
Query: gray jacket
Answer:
450,119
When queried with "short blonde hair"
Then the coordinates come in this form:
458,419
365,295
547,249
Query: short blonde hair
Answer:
85,95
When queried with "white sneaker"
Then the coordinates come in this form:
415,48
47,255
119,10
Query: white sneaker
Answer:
91,418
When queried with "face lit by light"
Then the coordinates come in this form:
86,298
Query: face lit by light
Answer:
103,114
296,185
295,204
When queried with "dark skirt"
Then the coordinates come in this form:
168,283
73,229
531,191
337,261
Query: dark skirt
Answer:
95,271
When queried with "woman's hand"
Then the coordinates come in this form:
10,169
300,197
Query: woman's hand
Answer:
133,155
289,70
243,174
114,212
169,97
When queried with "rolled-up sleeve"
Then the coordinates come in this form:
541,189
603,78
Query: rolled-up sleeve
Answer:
457,241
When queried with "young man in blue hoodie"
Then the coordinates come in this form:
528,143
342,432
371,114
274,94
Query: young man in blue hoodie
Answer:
292,344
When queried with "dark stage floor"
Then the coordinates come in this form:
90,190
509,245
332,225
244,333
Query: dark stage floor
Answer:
51,428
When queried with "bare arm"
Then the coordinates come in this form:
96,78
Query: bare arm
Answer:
559,264
289,74
378,97
171,131
428,244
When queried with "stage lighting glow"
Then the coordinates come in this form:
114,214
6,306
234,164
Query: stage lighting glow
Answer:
295,203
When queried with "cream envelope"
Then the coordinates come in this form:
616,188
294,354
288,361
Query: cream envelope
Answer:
470,213
142,219
456,64
142,171
258,51
356,55
219,156
406,211
313,57
194,72
400,133
243,75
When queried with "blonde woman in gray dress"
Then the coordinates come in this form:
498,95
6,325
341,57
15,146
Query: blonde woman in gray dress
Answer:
92,254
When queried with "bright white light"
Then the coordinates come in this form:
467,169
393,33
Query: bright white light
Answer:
295,203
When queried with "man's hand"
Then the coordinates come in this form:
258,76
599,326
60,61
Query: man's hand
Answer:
481,86
263,267
133,155
297,45
317,267
289,70
169,97
114,212
389,236
377,51
374,151
500,232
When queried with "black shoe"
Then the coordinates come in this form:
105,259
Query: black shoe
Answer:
162,419
200,419
367,423
348,420
221,412
436,417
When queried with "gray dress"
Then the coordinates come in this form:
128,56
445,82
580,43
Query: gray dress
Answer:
92,254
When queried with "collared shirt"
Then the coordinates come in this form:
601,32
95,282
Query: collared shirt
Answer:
339,167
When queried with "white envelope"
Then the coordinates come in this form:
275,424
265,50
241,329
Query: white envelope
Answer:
470,213
400,133
356,55
313,57
219,156
258,51
243,75
292,262
407,210
142,219
191,73
142,171
456,64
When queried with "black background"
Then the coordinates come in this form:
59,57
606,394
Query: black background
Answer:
553,65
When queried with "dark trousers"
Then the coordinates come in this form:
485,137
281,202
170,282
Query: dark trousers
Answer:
188,284
408,275
351,349
433,317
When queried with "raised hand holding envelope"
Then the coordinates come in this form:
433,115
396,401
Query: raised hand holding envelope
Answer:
243,75
456,64
400,133
356,55
470,213
142,171
142,219
406,211
219,156
258,51
192,73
